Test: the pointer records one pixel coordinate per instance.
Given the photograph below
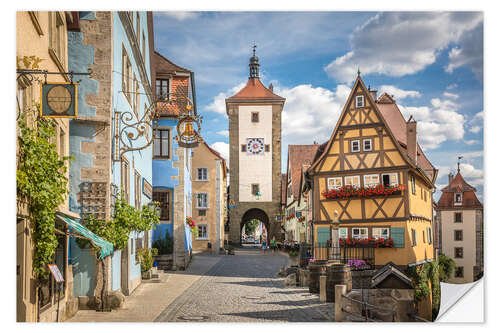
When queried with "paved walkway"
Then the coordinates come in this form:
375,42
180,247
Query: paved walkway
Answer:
149,299
244,288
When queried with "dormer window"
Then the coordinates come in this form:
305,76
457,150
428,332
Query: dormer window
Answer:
458,198
360,101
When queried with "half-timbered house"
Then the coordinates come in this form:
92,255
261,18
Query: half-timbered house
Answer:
375,177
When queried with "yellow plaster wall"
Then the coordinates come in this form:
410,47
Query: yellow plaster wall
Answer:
417,203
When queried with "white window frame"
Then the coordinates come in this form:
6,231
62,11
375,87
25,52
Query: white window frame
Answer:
429,235
359,236
378,233
366,183
352,146
390,180
360,101
343,233
371,144
414,241
458,202
197,201
199,229
351,178
198,175
335,186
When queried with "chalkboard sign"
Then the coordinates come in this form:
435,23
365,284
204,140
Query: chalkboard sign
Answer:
56,273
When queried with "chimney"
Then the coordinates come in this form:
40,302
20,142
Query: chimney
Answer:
271,87
374,94
450,177
411,138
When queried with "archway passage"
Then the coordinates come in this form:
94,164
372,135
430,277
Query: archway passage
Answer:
255,214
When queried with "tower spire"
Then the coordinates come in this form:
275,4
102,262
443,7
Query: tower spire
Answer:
254,64
458,163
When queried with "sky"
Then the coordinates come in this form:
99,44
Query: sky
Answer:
432,62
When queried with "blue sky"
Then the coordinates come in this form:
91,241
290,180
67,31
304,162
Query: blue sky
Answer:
432,62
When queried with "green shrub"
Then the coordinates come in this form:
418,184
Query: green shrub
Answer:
164,245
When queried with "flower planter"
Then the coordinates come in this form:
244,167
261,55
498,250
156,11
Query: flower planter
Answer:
293,260
350,191
147,275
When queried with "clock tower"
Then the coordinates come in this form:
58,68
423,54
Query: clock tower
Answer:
254,155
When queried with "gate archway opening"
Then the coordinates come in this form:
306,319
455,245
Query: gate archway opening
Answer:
253,215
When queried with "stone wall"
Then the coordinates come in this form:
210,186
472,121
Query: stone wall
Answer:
179,260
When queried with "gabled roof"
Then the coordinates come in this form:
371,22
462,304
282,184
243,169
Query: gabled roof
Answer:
397,124
459,185
219,156
163,65
254,90
392,123
298,156
387,270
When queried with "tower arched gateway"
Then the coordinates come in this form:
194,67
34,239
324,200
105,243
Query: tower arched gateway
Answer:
254,154
255,214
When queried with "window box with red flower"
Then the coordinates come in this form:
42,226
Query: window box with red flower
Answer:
366,242
350,191
191,224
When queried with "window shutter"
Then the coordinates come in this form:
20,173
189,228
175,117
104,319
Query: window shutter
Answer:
398,236
323,235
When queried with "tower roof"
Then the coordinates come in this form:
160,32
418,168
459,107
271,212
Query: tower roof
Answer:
254,90
459,185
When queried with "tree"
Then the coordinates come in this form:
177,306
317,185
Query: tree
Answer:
250,226
446,267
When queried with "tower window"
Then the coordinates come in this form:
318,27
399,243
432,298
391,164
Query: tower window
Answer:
459,272
255,189
458,217
459,252
255,117
243,148
458,198
459,235
267,148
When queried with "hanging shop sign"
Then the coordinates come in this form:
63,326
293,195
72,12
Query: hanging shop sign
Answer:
59,100
147,189
188,136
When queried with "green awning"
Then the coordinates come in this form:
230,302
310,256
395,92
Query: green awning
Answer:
105,246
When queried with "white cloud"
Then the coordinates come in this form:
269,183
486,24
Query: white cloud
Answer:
436,124
452,86
180,15
479,115
450,95
218,104
310,113
472,154
475,129
224,133
471,174
402,43
471,142
399,93
222,148
468,53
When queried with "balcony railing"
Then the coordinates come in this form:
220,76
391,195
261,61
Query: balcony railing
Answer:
359,258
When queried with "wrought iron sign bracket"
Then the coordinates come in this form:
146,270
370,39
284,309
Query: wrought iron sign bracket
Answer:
28,74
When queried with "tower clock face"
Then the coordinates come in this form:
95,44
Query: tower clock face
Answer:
255,145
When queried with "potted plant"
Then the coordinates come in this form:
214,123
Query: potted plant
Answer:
294,257
230,249
146,260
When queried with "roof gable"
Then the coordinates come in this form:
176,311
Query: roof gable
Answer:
459,185
298,156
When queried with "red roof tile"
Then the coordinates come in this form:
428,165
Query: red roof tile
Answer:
255,90
283,188
459,185
298,157
219,156
397,124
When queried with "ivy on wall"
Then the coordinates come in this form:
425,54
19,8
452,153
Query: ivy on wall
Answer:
42,185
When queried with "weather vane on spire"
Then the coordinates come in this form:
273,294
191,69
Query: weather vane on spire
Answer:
458,163
359,72
254,47
254,63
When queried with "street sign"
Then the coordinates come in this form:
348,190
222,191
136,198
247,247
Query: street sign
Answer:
56,273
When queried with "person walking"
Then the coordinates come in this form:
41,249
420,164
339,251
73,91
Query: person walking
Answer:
264,245
273,244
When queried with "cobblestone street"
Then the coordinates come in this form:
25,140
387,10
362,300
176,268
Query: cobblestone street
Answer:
245,288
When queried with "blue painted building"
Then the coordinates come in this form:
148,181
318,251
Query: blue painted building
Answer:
115,46
171,163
